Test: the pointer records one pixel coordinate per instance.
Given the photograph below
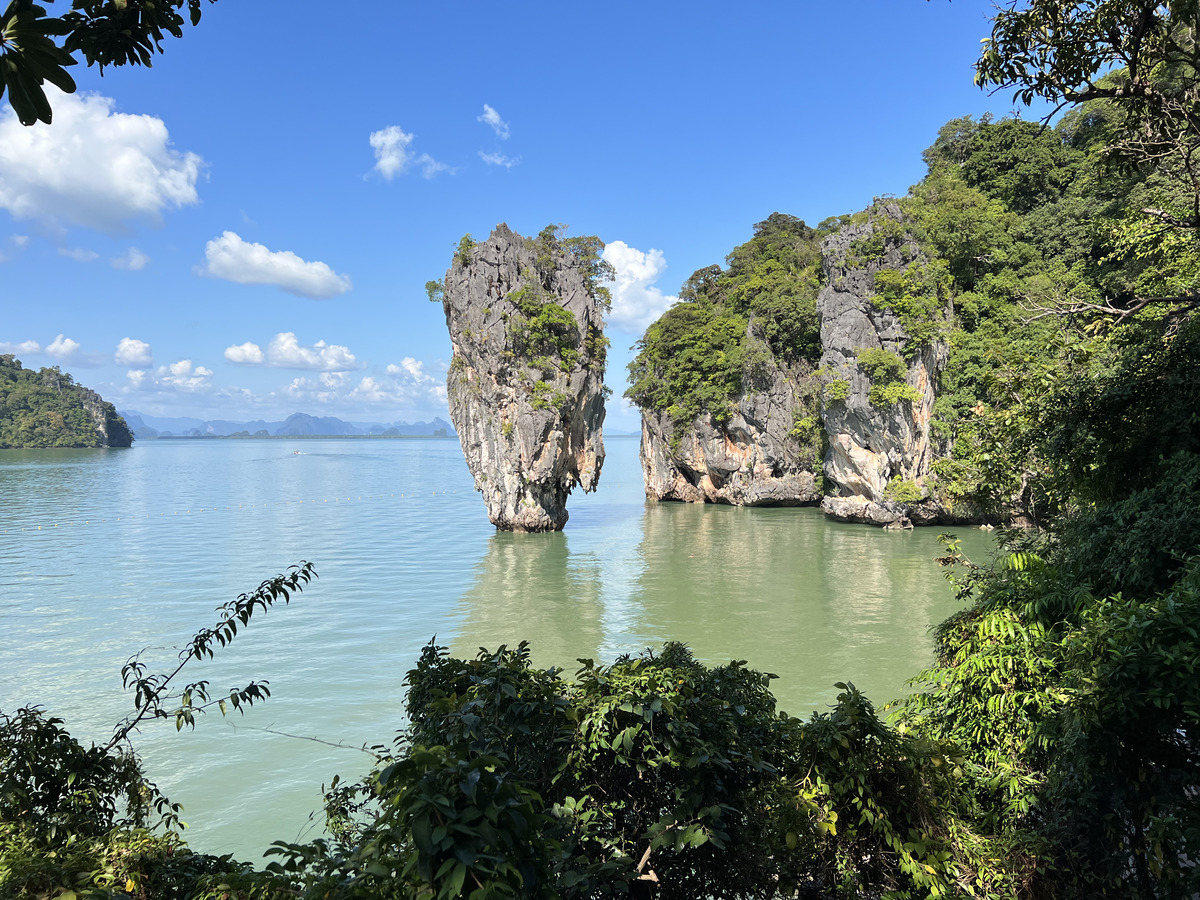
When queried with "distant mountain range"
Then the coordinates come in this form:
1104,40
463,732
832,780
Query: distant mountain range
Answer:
146,427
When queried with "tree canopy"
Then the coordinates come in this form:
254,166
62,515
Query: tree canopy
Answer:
36,47
46,408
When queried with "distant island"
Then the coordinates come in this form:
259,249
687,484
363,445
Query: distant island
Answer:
46,408
297,425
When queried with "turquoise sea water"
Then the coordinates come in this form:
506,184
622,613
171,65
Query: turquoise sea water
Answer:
105,553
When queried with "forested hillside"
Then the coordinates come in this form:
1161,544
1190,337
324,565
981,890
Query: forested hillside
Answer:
47,408
1052,748
1035,236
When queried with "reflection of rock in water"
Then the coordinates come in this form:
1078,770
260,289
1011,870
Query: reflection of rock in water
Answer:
812,600
794,594
529,587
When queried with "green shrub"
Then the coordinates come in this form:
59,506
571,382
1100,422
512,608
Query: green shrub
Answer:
902,491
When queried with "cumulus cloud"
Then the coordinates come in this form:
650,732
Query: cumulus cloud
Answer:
636,302
23,347
492,119
414,369
233,259
499,159
405,386
286,352
62,347
95,167
134,260
79,254
393,157
184,376
246,354
132,352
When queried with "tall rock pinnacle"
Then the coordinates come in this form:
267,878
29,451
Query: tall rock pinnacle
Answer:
526,383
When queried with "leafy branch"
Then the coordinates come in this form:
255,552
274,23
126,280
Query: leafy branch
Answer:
153,696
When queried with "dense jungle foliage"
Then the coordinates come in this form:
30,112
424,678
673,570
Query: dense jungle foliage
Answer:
1052,748
729,322
46,409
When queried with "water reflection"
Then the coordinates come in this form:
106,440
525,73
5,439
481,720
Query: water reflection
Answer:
786,589
530,587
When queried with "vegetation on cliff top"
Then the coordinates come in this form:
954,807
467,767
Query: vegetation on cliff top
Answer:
729,322
1051,750
47,408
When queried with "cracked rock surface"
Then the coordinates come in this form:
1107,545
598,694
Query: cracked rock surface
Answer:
525,385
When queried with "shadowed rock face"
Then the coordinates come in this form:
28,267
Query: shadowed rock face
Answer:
525,385
871,444
750,460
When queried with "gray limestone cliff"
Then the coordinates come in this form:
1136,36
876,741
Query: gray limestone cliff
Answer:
852,432
758,456
526,382
111,429
880,381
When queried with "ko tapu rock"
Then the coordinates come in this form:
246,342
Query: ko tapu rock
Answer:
526,381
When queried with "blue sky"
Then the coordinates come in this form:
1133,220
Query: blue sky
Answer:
245,230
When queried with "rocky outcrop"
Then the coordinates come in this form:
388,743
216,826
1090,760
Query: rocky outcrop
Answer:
526,381
111,429
880,383
756,457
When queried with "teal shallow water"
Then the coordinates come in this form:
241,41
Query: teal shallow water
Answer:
105,553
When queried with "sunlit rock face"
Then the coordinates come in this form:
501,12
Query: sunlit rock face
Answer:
525,386
751,459
870,444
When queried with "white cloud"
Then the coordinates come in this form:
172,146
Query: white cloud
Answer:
93,167
132,352
62,347
492,118
392,156
79,254
233,259
285,352
23,347
636,302
415,369
134,260
182,376
499,159
137,378
245,354
405,386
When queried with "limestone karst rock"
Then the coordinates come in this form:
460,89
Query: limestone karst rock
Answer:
752,459
881,380
526,382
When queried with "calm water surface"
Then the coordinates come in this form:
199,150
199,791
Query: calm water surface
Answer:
104,553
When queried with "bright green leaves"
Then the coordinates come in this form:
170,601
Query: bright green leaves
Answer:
887,372
542,333
703,352
919,296
29,58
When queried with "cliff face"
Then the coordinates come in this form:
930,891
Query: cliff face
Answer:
754,458
526,381
46,408
880,384
111,429
854,434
